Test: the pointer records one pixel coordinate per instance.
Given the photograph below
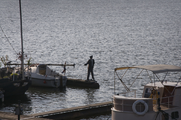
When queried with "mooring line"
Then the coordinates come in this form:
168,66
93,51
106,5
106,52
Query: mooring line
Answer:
8,40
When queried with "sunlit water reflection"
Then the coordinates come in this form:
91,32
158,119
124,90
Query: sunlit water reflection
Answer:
117,33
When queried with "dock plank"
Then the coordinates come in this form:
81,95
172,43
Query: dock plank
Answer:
12,116
63,114
74,112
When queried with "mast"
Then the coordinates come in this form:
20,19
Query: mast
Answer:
22,53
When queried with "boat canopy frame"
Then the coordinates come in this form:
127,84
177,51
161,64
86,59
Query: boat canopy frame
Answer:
155,69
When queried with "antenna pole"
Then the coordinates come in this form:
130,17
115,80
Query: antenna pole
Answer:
22,53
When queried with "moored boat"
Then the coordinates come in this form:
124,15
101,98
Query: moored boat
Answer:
12,85
160,99
41,75
16,84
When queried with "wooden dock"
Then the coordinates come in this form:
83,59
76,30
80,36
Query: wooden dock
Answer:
12,116
63,114
76,112
82,83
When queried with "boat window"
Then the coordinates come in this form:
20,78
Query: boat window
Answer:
168,93
42,70
147,92
175,115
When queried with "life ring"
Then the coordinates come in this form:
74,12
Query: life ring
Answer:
134,107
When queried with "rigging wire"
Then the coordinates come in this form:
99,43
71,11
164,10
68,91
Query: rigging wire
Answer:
135,79
8,40
122,82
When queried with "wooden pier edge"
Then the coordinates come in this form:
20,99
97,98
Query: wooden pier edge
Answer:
63,114
76,112
12,116
82,83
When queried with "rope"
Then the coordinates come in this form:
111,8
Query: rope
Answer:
166,115
8,40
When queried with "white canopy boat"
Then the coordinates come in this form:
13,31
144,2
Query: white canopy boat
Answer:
160,99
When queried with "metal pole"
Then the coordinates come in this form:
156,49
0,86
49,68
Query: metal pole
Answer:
114,83
22,54
19,110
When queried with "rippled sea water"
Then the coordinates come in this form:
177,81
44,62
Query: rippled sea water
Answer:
116,32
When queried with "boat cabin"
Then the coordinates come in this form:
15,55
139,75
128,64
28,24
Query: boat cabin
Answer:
168,92
160,99
43,69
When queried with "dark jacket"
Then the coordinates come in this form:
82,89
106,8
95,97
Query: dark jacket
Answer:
91,63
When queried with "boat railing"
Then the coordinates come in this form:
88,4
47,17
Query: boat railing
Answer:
123,103
167,101
164,101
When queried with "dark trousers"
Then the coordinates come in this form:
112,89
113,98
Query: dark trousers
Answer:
88,74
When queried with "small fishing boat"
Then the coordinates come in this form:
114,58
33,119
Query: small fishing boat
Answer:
12,85
41,75
16,84
160,99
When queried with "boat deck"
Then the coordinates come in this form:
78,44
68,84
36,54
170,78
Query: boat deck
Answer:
163,107
82,83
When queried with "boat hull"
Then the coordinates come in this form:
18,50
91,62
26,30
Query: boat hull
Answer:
123,115
118,115
14,88
49,82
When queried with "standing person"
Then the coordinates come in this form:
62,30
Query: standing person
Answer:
91,63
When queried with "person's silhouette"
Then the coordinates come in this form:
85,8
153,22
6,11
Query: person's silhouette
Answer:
91,63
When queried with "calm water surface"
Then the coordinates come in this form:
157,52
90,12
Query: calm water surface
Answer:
116,32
